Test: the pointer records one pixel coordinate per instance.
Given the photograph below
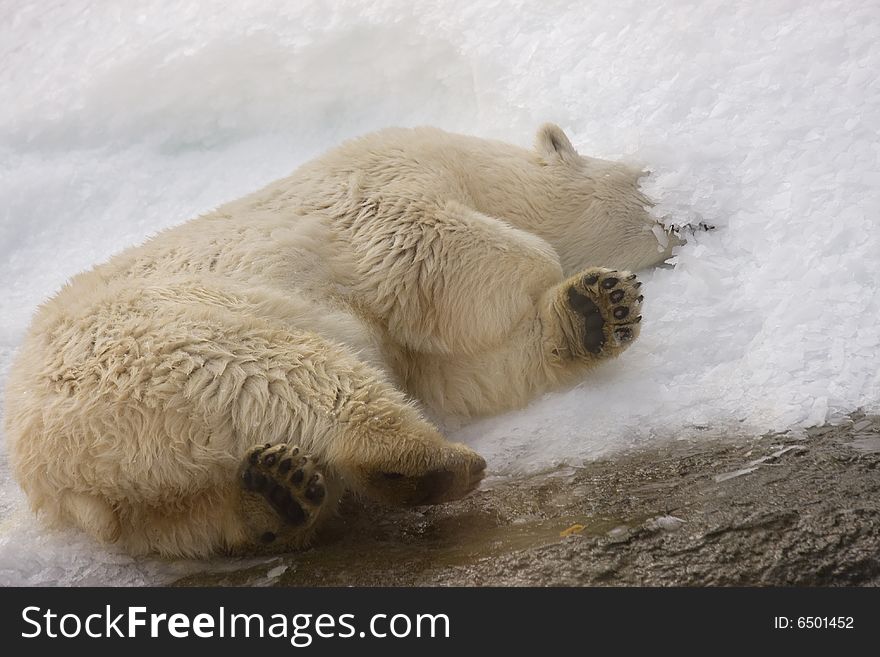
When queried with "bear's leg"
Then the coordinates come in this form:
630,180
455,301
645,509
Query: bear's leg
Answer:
383,448
354,431
285,494
451,280
577,323
334,423
417,468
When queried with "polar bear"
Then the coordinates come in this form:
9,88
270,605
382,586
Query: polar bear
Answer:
218,388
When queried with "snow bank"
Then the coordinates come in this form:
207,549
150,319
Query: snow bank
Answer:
761,119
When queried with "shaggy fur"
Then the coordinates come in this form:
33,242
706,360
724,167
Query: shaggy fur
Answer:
407,264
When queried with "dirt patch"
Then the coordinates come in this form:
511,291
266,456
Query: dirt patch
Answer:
771,511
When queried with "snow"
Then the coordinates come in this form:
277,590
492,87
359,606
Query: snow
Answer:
119,119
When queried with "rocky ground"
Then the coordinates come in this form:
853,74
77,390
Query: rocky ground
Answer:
771,511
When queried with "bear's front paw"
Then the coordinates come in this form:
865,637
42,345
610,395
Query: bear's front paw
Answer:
605,306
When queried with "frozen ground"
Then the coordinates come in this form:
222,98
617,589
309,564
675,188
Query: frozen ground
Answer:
761,118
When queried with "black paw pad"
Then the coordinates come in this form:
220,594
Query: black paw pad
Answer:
254,481
279,496
592,279
580,303
294,514
616,296
608,283
593,336
620,312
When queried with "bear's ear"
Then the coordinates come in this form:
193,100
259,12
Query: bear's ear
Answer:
551,142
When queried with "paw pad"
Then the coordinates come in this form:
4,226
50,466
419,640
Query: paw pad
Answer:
607,304
265,472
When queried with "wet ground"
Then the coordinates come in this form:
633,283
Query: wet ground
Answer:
771,511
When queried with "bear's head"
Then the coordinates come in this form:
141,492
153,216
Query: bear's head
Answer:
592,209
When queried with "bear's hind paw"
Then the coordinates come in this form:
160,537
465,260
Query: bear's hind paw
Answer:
289,481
